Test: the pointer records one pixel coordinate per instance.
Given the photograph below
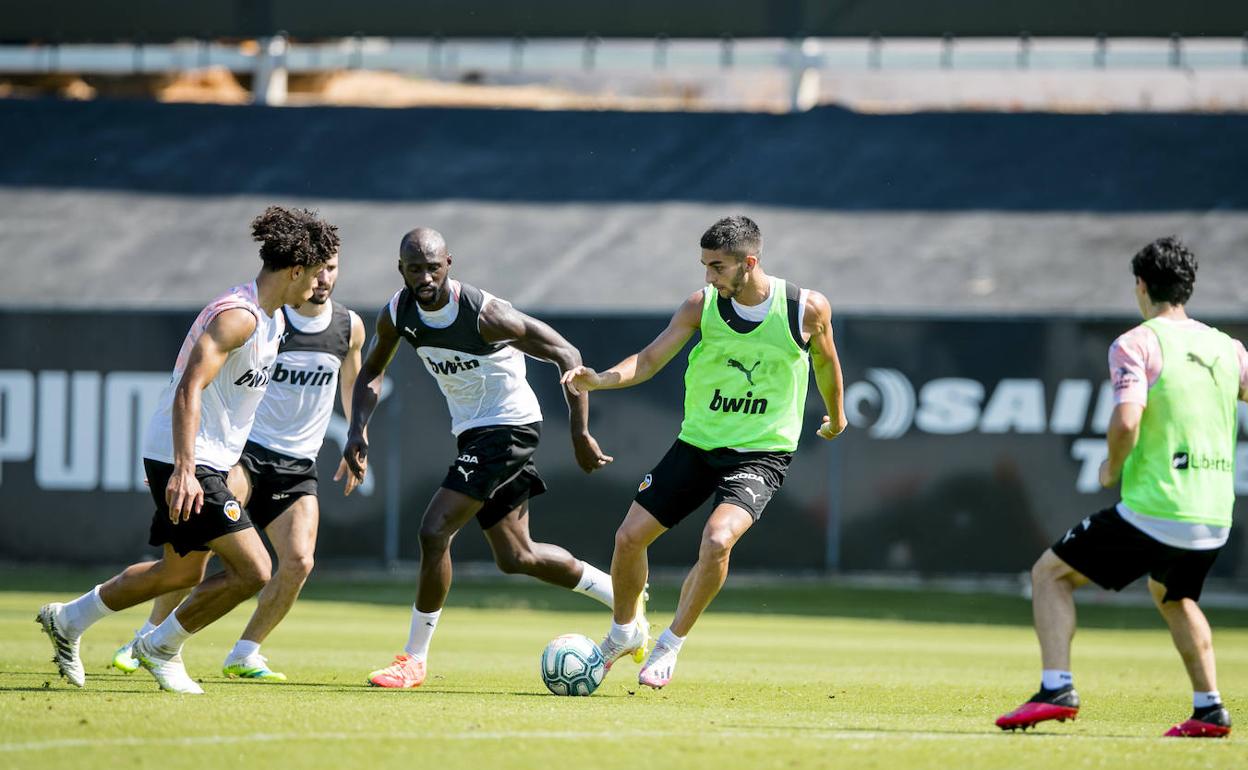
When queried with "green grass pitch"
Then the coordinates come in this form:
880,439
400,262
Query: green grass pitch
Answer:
793,676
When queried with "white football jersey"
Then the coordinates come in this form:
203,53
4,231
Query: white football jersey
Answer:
228,404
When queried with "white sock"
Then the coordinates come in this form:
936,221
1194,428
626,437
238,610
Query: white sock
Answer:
1203,700
242,649
423,626
1056,679
78,615
596,584
146,629
670,641
621,634
168,637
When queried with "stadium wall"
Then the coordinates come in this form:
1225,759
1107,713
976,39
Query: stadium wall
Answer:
974,444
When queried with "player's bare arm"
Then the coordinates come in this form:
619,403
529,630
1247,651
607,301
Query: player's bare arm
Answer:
640,367
346,385
367,392
817,323
1122,436
228,331
500,322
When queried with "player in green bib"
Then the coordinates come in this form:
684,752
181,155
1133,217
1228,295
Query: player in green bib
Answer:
1171,446
745,401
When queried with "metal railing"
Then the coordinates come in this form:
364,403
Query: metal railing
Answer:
805,59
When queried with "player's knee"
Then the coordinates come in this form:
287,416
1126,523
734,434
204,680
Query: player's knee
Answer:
251,577
177,579
180,581
433,540
627,539
716,545
296,566
1048,569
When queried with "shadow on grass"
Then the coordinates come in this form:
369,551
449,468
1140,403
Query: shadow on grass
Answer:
798,598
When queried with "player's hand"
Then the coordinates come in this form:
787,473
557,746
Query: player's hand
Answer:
580,379
588,454
830,430
184,495
353,481
1107,477
355,455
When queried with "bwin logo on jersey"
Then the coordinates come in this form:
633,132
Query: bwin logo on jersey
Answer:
254,378
317,379
452,367
746,404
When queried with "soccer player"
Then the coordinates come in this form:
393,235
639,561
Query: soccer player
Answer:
195,436
275,479
1171,447
474,345
745,397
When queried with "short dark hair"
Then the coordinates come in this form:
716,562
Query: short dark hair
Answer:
1168,270
735,235
290,237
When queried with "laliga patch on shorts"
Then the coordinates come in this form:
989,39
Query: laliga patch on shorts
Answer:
233,510
645,483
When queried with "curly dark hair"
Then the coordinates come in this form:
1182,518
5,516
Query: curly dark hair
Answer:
1168,270
290,237
735,235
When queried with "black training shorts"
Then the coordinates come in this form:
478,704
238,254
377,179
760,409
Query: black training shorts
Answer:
220,515
687,475
1112,553
277,481
495,465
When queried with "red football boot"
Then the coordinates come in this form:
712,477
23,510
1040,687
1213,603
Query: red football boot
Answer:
1211,722
1060,704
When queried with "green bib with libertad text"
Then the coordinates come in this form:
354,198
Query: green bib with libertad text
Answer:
1182,467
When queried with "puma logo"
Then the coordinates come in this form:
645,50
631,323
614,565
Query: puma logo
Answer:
753,495
1082,525
1195,359
464,471
749,373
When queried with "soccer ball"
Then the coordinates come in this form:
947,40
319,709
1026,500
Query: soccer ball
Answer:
572,665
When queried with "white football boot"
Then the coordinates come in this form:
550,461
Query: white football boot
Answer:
64,646
659,667
638,641
170,672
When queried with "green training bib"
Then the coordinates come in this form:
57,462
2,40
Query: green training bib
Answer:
1182,468
746,391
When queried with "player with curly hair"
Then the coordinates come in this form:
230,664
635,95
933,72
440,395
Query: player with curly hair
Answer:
196,435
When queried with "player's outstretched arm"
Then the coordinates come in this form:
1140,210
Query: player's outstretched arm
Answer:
346,385
640,367
367,392
500,322
818,323
227,331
